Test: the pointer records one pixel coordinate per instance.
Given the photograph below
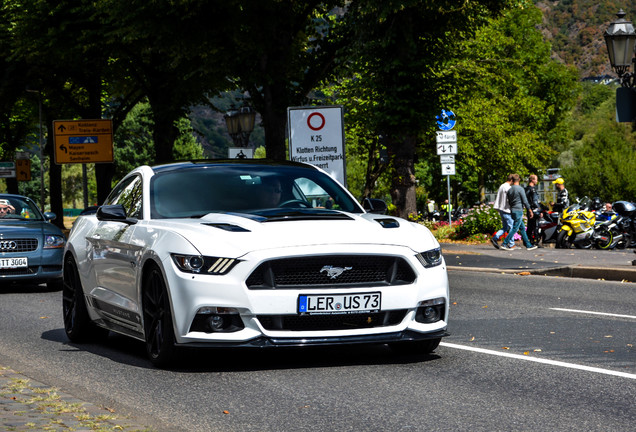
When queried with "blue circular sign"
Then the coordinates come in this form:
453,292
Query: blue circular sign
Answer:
446,120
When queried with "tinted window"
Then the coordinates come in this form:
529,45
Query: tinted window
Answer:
244,188
129,194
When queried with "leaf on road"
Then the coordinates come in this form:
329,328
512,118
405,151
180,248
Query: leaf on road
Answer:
472,338
44,317
226,412
537,350
526,353
608,336
524,273
506,348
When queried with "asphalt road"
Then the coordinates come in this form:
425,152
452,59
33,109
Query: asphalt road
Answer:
526,353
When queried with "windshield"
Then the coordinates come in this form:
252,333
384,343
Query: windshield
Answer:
18,208
244,188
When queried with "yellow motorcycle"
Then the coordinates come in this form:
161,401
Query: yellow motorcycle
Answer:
576,226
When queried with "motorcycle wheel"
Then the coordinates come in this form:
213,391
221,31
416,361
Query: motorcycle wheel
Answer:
563,241
604,237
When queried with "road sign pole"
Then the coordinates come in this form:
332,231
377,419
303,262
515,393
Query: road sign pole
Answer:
448,188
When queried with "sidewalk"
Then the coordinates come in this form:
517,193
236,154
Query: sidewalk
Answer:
583,263
27,405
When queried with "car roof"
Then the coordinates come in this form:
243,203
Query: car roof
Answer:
7,195
228,162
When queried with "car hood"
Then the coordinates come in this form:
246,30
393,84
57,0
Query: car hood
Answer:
23,228
238,234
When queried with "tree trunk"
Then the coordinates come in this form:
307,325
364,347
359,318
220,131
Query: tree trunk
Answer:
403,182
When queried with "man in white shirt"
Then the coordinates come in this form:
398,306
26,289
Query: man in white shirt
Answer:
501,204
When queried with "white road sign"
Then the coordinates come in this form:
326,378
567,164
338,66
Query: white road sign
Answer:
446,136
316,136
448,169
446,159
447,149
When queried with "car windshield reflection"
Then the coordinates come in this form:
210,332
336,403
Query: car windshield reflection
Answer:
252,189
14,208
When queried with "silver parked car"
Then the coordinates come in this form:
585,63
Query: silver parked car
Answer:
31,248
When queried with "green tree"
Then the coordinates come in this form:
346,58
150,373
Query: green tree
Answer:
393,70
511,98
601,158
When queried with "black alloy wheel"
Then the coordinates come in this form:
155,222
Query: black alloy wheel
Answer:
159,333
77,324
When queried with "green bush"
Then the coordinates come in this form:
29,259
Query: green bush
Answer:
482,219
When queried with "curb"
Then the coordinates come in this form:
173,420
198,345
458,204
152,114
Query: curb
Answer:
582,272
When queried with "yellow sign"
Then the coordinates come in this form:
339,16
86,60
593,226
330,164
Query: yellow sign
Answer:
23,169
83,141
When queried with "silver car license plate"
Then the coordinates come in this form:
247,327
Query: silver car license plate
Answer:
339,303
12,263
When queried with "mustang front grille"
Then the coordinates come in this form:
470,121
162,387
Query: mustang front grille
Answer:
18,245
341,271
332,322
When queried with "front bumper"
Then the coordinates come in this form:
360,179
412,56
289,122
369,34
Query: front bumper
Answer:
275,342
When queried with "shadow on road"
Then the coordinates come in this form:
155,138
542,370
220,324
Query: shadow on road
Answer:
202,360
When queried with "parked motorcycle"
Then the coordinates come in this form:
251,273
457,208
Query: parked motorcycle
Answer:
576,226
547,226
619,232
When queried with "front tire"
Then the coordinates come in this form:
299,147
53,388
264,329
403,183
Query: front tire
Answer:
77,323
158,329
563,240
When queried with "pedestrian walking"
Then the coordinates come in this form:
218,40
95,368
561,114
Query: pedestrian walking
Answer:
533,199
517,201
501,205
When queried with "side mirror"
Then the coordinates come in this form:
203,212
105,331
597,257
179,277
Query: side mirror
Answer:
373,205
49,216
114,213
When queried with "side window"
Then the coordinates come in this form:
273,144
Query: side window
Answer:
307,189
129,194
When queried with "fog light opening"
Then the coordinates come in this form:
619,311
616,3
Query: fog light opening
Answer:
430,311
212,319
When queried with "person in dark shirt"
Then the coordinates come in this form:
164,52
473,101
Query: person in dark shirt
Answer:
533,199
563,198
517,200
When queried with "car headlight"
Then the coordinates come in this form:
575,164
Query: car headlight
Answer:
430,258
204,264
53,241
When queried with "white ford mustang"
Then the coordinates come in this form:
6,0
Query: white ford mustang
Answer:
250,253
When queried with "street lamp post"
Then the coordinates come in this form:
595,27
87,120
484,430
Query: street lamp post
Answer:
240,124
41,148
620,38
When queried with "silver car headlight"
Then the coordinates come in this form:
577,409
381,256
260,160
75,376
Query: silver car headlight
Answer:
430,258
53,241
203,264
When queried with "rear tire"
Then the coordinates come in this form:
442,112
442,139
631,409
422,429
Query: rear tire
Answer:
158,329
604,232
77,323
420,347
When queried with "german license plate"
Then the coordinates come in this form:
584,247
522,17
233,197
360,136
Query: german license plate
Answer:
316,304
11,263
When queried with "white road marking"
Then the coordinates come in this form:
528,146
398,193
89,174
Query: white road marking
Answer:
540,360
594,313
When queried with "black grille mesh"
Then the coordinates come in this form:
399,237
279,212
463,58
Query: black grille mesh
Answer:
21,245
332,322
357,270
